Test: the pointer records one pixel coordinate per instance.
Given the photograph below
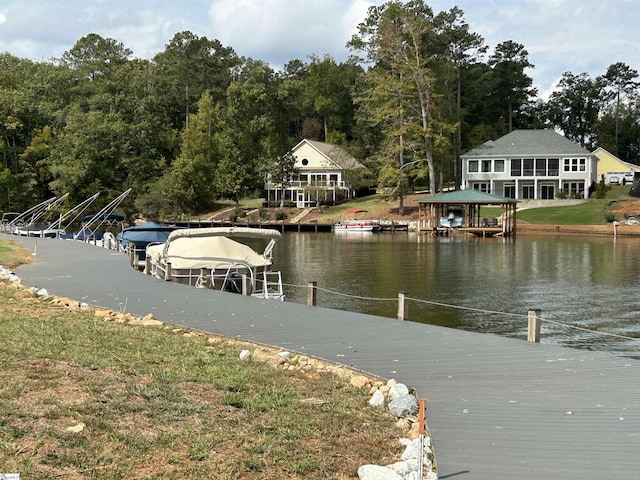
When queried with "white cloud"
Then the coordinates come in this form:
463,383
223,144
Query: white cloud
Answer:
277,31
560,35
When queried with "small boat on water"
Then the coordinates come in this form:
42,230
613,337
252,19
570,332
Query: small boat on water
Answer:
210,258
355,225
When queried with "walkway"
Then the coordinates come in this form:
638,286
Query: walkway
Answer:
497,408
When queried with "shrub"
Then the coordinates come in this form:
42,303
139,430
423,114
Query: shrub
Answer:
281,215
609,217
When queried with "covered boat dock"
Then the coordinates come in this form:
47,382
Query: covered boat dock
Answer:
460,211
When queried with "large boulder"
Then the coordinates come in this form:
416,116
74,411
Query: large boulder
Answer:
403,405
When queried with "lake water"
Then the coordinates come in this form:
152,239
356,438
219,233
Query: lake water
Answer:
586,287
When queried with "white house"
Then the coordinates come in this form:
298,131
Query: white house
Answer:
321,175
530,164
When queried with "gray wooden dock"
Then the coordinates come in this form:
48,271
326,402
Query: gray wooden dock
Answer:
497,408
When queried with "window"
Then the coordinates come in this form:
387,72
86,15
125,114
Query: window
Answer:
516,167
573,189
498,166
575,164
473,166
318,180
486,166
553,167
541,167
527,167
305,162
547,192
481,186
528,191
510,190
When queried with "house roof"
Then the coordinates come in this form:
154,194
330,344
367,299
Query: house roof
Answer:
598,152
334,153
466,197
528,143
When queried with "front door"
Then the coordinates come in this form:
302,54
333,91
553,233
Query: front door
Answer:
300,199
547,192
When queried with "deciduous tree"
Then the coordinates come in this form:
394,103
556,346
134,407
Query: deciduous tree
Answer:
574,107
399,89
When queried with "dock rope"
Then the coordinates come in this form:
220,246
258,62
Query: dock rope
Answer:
470,309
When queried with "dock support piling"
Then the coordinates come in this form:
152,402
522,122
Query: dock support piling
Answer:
167,272
533,330
312,293
246,284
403,308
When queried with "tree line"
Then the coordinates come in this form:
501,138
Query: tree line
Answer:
197,123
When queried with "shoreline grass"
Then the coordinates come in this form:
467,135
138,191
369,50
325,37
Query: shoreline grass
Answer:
86,398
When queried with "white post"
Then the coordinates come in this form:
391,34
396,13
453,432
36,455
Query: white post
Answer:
533,330
403,309
312,293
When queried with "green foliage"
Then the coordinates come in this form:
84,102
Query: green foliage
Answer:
194,171
98,120
156,199
399,92
601,189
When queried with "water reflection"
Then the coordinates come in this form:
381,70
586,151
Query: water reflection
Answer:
586,282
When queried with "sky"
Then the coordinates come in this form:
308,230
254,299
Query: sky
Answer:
578,36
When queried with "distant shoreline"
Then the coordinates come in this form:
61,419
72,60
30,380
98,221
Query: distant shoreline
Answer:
602,230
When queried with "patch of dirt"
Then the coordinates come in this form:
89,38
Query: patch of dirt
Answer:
625,208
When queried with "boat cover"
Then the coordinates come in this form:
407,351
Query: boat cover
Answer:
204,252
143,235
247,232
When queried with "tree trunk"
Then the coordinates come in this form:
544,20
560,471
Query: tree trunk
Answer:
400,182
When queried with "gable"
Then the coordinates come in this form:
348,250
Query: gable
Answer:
313,155
608,162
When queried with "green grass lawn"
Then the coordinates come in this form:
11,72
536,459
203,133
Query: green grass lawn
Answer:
590,213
